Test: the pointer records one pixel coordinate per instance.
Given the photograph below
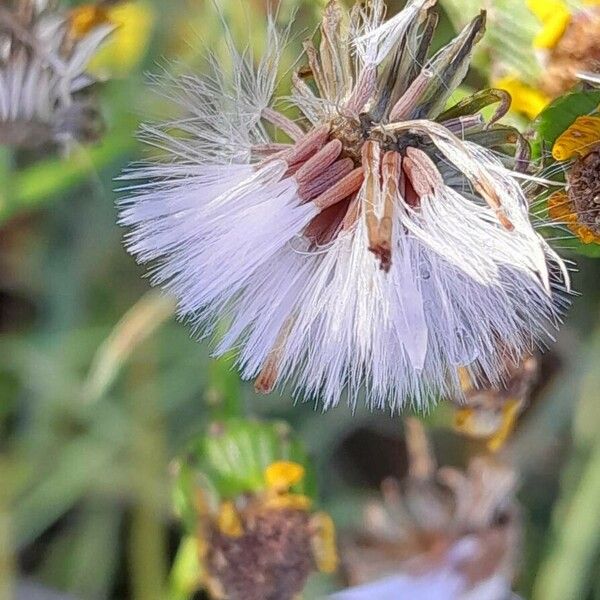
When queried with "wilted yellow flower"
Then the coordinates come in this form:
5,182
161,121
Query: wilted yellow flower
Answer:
265,544
565,43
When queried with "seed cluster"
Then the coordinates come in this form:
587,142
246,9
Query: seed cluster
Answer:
584,190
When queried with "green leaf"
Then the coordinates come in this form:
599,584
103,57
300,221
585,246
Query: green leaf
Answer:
562,113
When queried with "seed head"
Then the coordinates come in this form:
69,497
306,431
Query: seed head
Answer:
45,93
386,244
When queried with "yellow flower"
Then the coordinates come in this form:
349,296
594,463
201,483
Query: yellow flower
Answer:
85,18
525,98
554,16
128,44
323,543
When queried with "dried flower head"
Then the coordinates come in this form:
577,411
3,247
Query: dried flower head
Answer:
44,87
265,545
578,207
450,533
383,246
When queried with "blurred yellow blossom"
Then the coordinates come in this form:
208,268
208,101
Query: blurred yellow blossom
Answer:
554,16
526,99
85,18
128,45
283,474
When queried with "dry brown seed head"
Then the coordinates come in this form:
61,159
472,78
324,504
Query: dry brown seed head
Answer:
584,190
271,560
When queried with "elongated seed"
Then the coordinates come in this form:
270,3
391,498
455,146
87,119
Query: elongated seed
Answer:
409,100
307,146
267,378
335,173
327,224
282,122
342,189
321,161
371,160
422,172
390,168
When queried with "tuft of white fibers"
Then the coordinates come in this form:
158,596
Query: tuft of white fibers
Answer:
43,78
364,250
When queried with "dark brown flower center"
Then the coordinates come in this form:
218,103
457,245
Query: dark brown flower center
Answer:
584,190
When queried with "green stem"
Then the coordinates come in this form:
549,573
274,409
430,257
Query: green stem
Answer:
224,393
148,544
7,560
564,576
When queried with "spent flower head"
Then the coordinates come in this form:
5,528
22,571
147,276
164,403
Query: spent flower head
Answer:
441,530
245,496
578,205
385,244
44,86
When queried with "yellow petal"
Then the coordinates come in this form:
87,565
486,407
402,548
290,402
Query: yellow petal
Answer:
229,521
552,31
578,140
559,206
525,99
510,413
545,9
555,16
129,42
462,420
282,475
323,543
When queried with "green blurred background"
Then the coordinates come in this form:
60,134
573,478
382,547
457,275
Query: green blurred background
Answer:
100,388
